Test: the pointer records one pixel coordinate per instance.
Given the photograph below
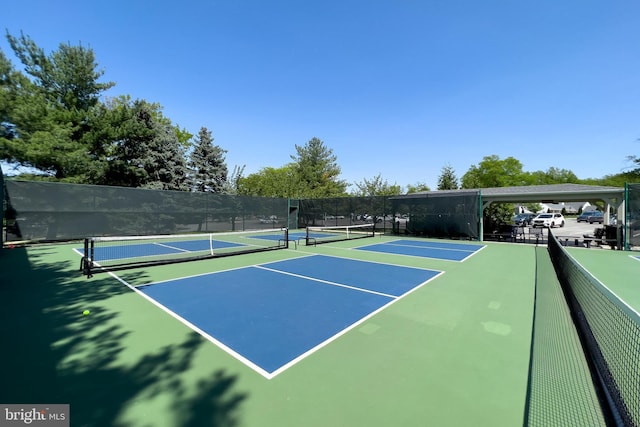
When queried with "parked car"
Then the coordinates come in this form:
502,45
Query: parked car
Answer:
548,220
523,219
597,217
584,216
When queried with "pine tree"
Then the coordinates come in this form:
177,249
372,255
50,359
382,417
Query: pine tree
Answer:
447,179
207,167
165,162
317,170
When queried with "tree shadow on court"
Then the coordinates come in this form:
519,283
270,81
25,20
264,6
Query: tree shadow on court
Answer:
50,353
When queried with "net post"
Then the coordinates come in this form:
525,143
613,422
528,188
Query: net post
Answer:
87,259
286,238
83,260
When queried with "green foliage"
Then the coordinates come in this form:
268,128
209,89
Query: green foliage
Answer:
164,160
233,180
208,170
48,108
552,176
68,78
493,172
635,159
317,169
376,187
615,180
273,182
53,119
313,173
417,187
448,179
132,146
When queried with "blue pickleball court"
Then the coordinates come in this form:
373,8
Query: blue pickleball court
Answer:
151,249
272,315
449,251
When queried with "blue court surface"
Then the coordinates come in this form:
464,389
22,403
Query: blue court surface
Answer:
141,250
426,249
272,315
296,235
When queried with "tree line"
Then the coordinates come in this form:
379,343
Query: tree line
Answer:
55,121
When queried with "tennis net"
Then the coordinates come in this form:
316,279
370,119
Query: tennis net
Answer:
117,253
610,330
317,235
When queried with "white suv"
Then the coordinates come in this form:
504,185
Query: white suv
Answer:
549,220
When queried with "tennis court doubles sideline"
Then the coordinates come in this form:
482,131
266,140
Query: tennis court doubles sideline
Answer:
270,316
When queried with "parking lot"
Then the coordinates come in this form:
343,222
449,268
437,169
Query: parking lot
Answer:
574,229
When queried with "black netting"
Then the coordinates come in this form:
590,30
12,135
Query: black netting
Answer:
444,215
48,211
343,211
610,330
59,211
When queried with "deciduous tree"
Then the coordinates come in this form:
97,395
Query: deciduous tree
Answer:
273,182
376,187
417,187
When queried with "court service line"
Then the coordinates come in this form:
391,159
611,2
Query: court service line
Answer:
210,273
326,282
164,245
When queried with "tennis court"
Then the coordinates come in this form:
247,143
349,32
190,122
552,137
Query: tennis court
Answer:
373,332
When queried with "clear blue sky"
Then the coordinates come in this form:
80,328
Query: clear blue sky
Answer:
397,88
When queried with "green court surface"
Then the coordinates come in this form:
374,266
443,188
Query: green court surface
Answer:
455,352
617,270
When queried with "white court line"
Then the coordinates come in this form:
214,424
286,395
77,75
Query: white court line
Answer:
211,273
190,325
420,257
240,357
432,247
164,245
341,285
348,328
373,262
